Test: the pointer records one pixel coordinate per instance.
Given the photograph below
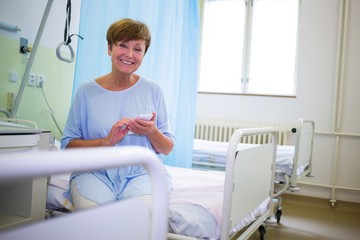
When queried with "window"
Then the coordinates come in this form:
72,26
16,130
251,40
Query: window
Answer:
249,47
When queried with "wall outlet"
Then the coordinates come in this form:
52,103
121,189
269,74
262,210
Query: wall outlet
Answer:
31,80
40,80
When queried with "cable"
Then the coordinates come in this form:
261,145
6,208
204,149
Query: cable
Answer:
51,111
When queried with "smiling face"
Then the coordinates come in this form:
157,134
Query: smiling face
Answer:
127,56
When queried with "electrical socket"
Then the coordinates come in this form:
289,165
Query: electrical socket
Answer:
40,80
31,80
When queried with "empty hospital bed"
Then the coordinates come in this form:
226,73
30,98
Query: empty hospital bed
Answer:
128,219
292,161
202,203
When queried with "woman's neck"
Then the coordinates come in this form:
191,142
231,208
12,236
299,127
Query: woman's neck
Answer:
116,82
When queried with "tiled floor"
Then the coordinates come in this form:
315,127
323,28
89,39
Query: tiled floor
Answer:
308,218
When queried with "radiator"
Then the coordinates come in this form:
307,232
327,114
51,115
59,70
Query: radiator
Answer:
219,130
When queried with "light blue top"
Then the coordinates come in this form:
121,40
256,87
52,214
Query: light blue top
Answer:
94,110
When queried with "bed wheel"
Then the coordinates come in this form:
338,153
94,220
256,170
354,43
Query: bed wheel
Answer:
332,203
278,215
262,232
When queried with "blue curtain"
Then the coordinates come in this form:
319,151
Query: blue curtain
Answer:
172,59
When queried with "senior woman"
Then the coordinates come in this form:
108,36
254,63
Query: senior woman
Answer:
105,112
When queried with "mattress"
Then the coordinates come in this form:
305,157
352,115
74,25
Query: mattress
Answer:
214,152
195,203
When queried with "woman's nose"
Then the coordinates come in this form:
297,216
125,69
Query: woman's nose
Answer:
129,53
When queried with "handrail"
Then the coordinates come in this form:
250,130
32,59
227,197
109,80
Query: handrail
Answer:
88,159
58,53
33,124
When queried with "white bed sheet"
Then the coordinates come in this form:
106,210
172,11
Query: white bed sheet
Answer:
57,185
214,152
195,203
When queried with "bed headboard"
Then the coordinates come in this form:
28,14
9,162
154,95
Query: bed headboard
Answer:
304,147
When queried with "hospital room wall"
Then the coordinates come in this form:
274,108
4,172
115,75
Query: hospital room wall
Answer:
327,91
320,93
58,74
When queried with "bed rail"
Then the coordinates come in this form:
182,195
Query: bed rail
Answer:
28,165
262,158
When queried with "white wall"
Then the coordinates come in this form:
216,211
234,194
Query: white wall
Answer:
317,88
317,85
28,14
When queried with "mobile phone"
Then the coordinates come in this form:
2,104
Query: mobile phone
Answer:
147,116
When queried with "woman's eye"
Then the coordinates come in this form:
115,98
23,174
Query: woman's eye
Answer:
123,45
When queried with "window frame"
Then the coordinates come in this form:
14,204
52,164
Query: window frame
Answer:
248,22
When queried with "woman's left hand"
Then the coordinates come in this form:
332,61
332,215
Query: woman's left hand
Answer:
141,126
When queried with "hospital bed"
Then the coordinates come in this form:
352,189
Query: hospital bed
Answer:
211,204
292,161
128,219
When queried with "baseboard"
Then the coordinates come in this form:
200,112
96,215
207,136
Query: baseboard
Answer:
326,193
307,201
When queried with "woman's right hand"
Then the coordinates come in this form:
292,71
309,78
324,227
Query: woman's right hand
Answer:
118,132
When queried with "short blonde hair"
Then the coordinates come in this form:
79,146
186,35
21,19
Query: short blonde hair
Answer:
128,29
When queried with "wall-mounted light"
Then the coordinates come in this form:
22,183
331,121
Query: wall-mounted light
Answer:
9,27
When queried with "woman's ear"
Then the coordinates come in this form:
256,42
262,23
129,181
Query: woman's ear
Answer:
109,49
